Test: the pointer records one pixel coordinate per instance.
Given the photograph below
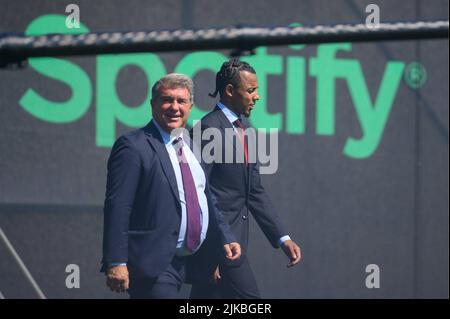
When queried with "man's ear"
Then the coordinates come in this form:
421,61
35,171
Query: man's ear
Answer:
229,90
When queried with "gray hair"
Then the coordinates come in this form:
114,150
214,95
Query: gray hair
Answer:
174,81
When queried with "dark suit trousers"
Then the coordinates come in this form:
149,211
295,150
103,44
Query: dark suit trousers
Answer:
236,283
165,286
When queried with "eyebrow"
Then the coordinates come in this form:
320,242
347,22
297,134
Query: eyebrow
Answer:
173,97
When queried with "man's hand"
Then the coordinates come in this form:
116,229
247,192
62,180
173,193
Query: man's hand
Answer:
232,250
292,250
117,278
216,276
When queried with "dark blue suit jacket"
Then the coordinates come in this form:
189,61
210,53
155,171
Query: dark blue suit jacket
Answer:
142,211
237,188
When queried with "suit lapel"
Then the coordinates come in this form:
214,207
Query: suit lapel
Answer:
225,124
250,142
155,140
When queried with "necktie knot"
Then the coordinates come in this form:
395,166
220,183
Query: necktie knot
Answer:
238,123
177,140
178,144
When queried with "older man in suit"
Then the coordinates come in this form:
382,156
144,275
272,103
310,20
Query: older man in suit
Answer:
237,186
161,227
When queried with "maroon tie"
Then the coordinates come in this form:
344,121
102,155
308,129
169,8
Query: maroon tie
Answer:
193,230
241,133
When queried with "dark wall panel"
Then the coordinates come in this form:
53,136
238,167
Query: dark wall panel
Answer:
384,202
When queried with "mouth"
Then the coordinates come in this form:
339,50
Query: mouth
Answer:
172,118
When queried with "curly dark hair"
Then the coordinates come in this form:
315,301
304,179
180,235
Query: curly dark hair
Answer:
229,74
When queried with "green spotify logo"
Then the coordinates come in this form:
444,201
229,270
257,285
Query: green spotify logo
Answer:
325,68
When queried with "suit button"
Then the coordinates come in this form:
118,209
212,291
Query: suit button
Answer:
175,233
244,217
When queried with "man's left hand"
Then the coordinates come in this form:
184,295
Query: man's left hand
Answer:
232,250
292,250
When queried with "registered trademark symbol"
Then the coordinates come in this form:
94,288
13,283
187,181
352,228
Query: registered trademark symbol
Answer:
415,75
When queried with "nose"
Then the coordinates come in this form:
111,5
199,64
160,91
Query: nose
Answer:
174,106
256,96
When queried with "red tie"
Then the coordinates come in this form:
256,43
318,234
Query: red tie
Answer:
242,137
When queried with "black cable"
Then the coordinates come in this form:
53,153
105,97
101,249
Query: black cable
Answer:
15,48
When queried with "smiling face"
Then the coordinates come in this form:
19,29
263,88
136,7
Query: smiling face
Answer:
242,98
171,108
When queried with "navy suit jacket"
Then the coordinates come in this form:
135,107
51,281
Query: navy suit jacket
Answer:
142,211
237,188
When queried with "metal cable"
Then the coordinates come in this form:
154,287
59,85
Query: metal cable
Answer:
21,264
19,47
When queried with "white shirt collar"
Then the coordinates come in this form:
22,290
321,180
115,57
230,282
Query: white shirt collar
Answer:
166,137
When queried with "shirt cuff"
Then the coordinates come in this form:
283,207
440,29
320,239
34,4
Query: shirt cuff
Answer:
117,264
283,239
